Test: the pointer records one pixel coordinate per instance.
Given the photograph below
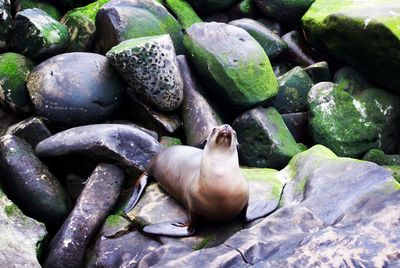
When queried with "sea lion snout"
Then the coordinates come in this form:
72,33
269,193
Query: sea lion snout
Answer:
225,134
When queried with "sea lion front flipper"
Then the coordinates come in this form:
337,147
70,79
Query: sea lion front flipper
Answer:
259,209
171,228
137,192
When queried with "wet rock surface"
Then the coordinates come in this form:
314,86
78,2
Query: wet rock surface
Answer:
32,130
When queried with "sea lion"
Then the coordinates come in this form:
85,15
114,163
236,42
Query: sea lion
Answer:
207,182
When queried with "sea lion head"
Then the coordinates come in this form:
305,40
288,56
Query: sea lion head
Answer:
222,138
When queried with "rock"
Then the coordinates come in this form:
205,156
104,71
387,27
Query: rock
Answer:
29,183
74,185
281,68
264,140
81,24
169,141
149,66
14,71
319,72
56,89
272,25
298,51
352,123
121,20
297,123
272,44
329,203
351,79
184,12
46,7
39,35
243,9
6,24
379,157
68,247
7,120
21,237
228,59
126,145
217,17
32,130
288,12
129,123
199,117
211,6
117,245
348,31
162,122
293,89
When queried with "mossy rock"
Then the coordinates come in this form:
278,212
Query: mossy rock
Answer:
379,157
170,141
348,31
39,35
14,71
46,7
184,12
293,90
81,24
232,63
351,79
264,140
349,124
6,24
319,72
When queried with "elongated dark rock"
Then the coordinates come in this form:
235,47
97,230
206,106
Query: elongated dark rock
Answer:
126,145
32,130
68,247
30,184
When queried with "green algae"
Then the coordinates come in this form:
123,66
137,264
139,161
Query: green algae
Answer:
184,12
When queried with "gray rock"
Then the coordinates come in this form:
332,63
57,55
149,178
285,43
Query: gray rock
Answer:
21,237
6,120
149,66
199,117
74,185
297,123
6,24
32,130
126,145
29,183
298,51
68,247
319,72
75,89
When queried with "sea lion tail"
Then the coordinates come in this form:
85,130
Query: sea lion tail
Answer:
138,189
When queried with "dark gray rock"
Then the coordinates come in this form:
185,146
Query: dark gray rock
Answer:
38,35
21,237
75,89
74,185
297,123
199,117
264,140
298,51
6,120
319,72
29,183
351,79
68,247
149,67
32,130
272,44
121,20
126,145
6,24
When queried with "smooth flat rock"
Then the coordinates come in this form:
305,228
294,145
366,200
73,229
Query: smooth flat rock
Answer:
125,145
231,63
21,237
75,89
348,30
32,130
68,247
148,65
29,183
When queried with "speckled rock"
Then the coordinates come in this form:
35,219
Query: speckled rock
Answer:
199,117
6,23
81,24
264,140
75,89
32,130
121,20
272,44
20,5
14,71
39,35
293,89
21,237
29,183
231,63
125,145
351,123
319,72
149,66
68,247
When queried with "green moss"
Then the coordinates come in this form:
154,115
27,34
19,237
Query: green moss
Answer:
204,242
245,6
184,12
170,141
113,220
46,7
395,172
89,11
11,210
267,175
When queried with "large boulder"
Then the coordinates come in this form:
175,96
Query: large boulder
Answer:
232,62
348,30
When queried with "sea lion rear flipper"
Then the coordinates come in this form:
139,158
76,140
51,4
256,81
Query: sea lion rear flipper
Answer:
171,228
137,192
259,209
